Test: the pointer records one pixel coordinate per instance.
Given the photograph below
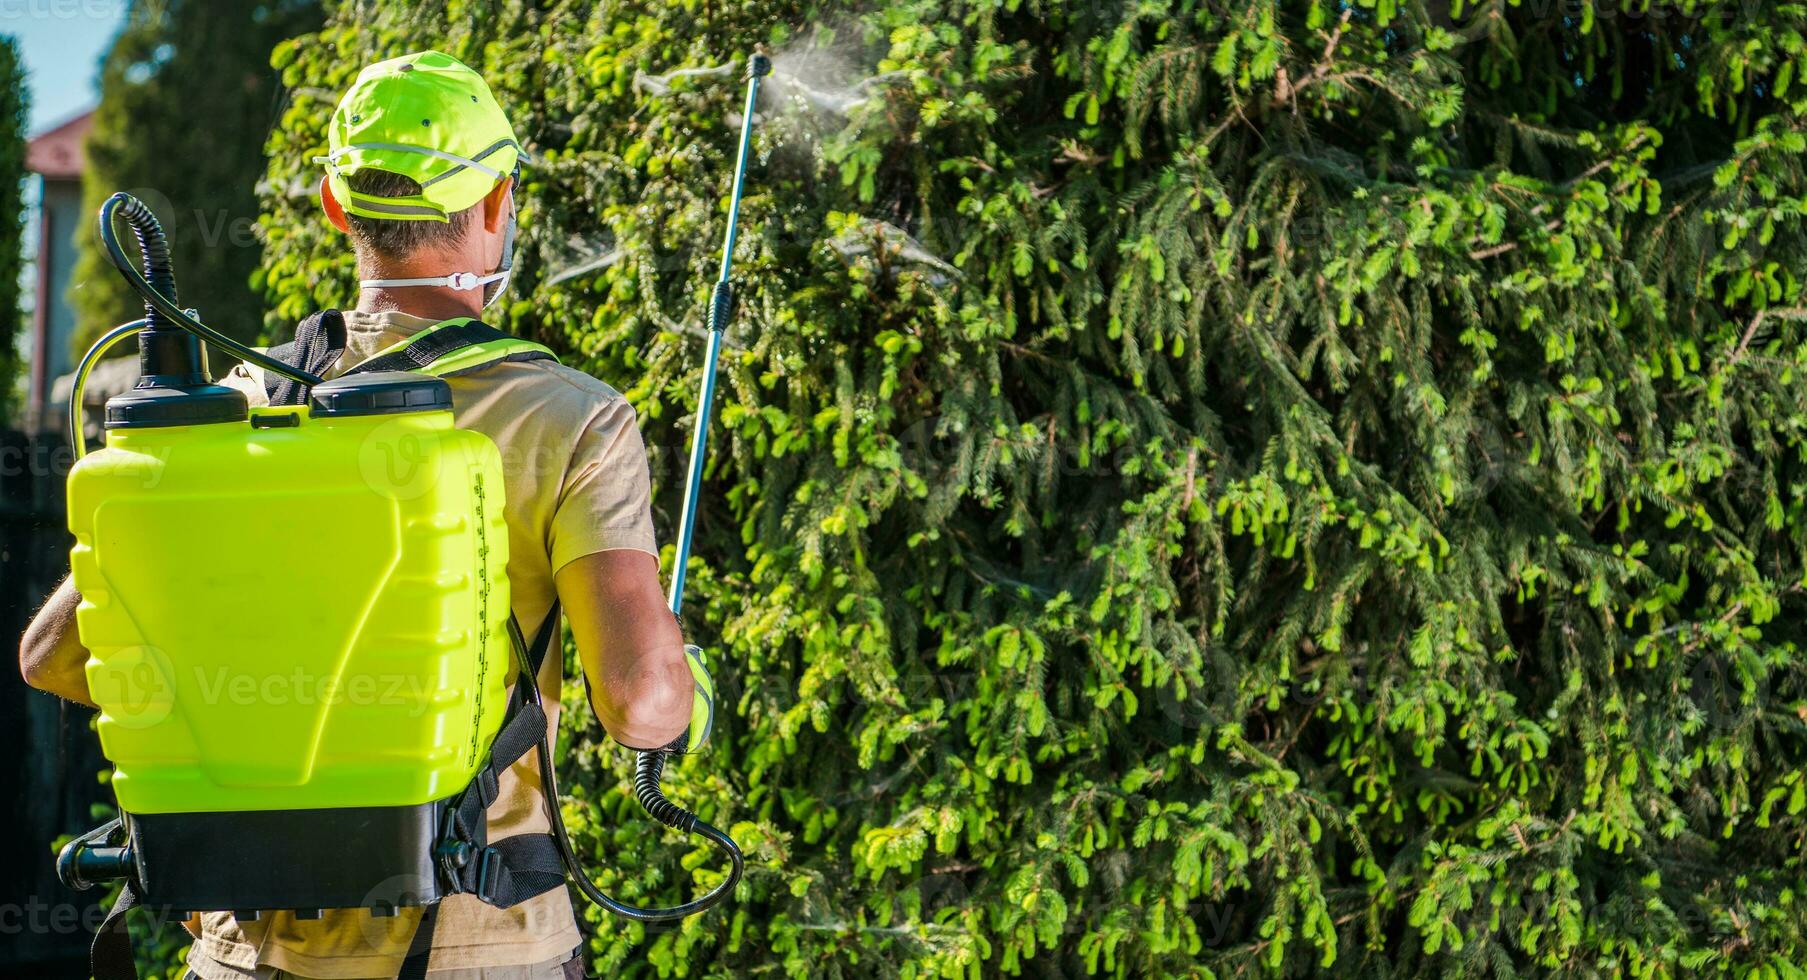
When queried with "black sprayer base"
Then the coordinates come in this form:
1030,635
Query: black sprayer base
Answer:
378,858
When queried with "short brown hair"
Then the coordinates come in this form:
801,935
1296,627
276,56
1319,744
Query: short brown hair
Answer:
392,238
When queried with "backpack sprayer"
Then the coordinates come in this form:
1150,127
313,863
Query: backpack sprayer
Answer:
346,795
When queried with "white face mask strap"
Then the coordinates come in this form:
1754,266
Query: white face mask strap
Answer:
501,281
458,280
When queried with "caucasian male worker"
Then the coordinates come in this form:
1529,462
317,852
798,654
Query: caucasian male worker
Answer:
420,178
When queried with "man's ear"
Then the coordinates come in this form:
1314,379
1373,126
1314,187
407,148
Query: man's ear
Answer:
335,212
495,205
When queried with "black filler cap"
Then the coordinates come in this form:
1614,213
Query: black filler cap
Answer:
155,406
380,393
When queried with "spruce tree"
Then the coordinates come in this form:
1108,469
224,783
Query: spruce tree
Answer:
186,99
1206,487
14,113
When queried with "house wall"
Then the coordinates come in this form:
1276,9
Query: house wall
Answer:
60,219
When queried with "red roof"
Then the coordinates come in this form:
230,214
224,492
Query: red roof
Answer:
57,152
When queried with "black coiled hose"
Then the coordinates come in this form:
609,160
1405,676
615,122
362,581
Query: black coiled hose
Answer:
153,245
649,768
163,350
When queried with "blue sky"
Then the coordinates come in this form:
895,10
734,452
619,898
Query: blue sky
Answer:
63,41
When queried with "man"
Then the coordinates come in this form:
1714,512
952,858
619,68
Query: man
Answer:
419,176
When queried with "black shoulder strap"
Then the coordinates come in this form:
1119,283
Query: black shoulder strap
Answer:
514,869
420,353
319,340
420,948
110,957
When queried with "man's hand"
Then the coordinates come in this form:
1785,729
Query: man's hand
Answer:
51,655
641,686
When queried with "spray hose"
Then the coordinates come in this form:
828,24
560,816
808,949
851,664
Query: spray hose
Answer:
153,244
77,441
648,770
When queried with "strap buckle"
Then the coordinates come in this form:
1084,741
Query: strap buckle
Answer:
486,784
489,873
452,852
462,280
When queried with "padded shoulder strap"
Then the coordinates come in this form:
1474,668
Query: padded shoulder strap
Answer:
506,872
454,347
319,340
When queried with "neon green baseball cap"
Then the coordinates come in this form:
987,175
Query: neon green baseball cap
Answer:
427,116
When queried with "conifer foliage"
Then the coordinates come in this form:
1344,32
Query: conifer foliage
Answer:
14,105
1205,487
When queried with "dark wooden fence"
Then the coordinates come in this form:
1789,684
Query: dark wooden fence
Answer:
49,758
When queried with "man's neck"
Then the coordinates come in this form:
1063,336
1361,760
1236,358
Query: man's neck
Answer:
427,302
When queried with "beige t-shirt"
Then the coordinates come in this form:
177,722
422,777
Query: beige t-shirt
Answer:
576,478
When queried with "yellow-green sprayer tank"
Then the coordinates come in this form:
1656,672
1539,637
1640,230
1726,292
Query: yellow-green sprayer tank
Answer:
293,612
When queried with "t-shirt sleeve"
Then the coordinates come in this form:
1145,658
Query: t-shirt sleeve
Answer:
605,503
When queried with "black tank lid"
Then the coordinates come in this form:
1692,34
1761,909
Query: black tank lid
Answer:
380,393
155,406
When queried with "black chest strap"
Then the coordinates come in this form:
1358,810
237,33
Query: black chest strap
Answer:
509,871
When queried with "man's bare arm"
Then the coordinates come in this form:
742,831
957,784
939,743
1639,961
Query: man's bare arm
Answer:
632,651
51,655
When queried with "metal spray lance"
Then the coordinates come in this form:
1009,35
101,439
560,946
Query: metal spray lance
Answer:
649,765
721,309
